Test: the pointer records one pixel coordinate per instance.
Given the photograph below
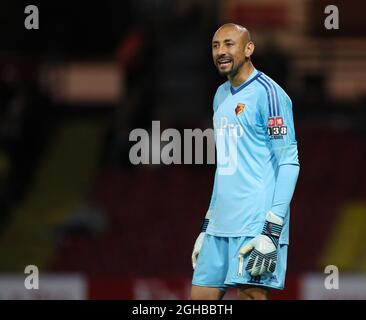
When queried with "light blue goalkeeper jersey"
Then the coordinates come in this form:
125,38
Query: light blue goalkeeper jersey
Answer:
257,159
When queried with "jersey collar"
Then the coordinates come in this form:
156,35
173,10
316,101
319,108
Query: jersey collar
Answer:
255,74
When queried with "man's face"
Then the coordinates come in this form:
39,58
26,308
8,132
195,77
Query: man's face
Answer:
228,50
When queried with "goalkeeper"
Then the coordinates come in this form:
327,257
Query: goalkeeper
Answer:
244,237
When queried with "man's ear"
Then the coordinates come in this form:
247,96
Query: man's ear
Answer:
249,49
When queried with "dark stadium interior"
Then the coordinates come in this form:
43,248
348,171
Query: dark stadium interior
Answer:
71,92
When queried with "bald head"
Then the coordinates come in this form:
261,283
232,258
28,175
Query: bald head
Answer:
241,31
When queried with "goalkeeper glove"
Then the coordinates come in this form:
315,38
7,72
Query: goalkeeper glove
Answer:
199,241
263,256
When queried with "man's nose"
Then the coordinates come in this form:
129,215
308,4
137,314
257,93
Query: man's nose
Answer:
221,51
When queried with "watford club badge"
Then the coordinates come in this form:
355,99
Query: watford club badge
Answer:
239,108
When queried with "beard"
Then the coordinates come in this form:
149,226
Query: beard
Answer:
232,71
224,73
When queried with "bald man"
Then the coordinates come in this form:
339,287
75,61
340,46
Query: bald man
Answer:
245,234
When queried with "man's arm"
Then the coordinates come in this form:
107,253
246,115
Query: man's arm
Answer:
214,194
284,189
199,241
280,128
284,146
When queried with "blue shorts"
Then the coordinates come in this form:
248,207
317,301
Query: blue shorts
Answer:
218,265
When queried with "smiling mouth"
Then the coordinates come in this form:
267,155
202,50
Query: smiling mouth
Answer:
223,62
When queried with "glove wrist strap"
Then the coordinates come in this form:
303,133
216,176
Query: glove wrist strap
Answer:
272,229
206,220
204,224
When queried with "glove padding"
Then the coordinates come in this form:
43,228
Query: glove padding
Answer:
197,248
263,256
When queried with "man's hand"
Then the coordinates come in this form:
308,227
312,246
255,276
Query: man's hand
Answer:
197,248
199,241
263,256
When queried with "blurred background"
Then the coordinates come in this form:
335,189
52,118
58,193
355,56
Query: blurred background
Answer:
98,227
